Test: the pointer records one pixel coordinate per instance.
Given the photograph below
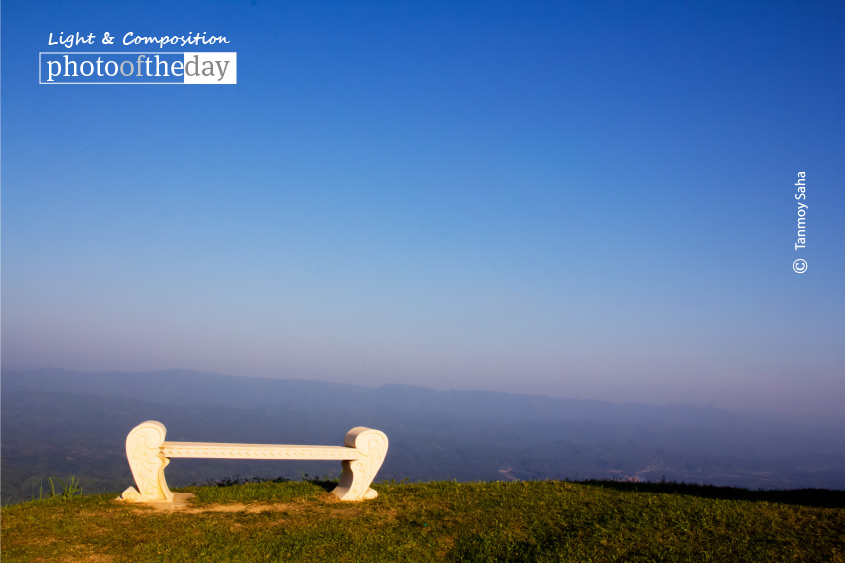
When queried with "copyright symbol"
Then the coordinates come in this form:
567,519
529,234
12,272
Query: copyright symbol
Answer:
800,266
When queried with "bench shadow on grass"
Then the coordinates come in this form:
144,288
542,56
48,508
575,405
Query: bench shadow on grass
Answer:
821,498
325,483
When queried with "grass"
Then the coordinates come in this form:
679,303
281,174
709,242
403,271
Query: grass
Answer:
70,488
514,521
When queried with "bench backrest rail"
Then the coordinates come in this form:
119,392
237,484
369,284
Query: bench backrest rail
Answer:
257,451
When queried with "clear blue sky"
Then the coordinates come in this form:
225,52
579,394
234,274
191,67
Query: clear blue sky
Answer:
582,199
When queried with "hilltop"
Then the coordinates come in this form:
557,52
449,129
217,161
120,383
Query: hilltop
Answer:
481,521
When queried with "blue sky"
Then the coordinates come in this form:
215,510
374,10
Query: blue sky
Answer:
582,199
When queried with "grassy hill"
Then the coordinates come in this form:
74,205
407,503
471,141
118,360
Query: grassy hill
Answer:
493,521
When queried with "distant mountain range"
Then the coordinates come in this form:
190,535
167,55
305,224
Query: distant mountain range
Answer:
57,423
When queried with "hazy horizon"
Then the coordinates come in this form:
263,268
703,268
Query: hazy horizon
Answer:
832,416
583,200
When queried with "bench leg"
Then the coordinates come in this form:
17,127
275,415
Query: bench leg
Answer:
359,473
143,449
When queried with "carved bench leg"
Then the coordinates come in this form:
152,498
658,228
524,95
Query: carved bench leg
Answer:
359,473
143,449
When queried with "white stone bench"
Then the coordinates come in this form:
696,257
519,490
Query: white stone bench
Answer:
361,455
